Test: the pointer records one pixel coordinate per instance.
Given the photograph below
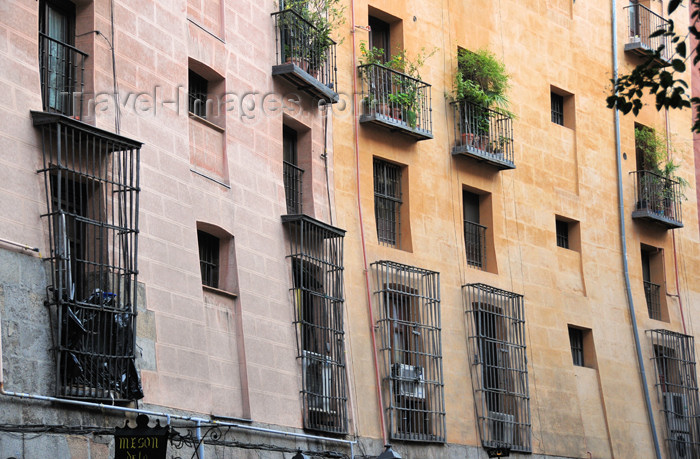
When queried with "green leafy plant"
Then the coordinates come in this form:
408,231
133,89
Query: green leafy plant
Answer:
481,79
324,16
652,145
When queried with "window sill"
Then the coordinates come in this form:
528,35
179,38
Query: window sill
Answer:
205,122
218,291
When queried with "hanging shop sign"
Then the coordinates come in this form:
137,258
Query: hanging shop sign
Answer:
141,442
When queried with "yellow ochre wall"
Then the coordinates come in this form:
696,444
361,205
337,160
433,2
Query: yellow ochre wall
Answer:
559,171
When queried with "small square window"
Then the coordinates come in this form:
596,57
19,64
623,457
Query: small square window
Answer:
562,234
557,109
209,258
197,92
576,340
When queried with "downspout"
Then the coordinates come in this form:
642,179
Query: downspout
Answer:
623,242
356,128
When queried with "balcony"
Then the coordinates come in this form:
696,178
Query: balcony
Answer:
61,70
642,23
396,101
652,295
292,187
658,199
483,134
475,244
304,57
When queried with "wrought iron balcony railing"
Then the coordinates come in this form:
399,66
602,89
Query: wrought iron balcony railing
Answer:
475,244
658,199
642,22
653,297
61,69
483,134
396,101
304,56
292,187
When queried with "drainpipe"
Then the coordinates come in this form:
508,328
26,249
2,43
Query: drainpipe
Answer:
623,241
356,128
200,443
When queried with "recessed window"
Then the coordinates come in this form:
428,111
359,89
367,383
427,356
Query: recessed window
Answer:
209,258
582,348
653,280
387,202
562,234
562,107
197,93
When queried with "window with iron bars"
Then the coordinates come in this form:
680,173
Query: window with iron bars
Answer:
197,94
576,342
474,232
387,202
677,387
496,342
562,228
316,254
208,258
292,173
409,324
557,109
92,182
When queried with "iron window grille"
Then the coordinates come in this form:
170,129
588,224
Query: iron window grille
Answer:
197,94
658,199
92,182
677,388
576,342
475,244
61,64
387,202
316,255
562,228
496,343
411,346
653,298
208,258
557,109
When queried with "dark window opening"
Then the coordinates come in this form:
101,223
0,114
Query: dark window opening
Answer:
557,109
499,366
474,232
387,202
651,281
208,258
292,173
576,341
409,323
379,36
61,64
197,94
562,234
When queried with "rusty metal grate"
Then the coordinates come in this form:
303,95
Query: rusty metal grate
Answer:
498,362
316,254
409,324
677,389
92,183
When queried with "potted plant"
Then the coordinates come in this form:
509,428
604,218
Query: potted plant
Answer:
481,80
311,40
